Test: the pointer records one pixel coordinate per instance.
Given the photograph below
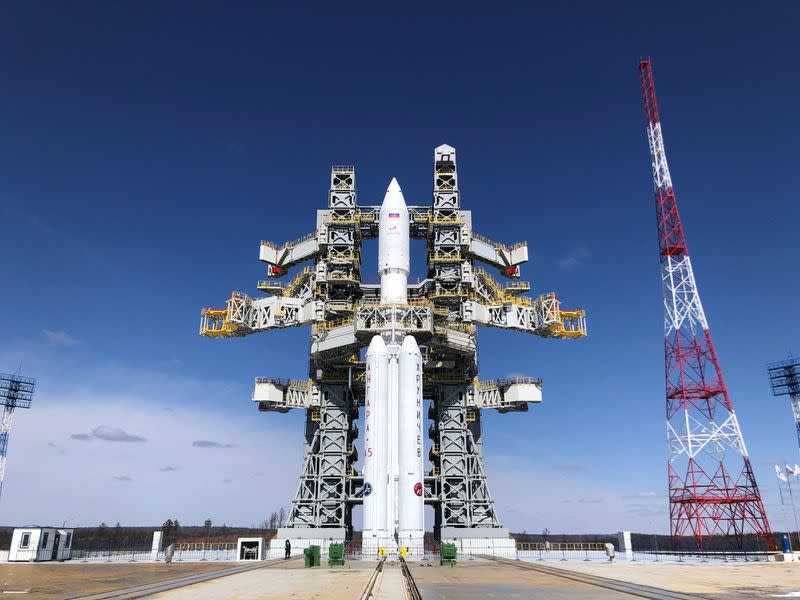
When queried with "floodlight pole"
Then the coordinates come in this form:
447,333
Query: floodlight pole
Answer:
15,392
784,379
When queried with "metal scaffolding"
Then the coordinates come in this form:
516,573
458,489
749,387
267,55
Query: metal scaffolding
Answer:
442,314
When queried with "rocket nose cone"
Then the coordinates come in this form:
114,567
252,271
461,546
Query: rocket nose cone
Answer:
394,195
409,345
376,345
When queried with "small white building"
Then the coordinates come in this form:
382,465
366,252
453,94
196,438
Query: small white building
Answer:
250,548
34,543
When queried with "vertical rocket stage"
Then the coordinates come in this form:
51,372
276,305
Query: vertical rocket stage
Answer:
393,462
393,246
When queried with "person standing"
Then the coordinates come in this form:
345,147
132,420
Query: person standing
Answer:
288,547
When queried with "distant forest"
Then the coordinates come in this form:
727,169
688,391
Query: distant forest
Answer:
118,536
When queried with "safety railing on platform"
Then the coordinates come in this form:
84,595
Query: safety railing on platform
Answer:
286,245
488,242
500,548
325,326
588,555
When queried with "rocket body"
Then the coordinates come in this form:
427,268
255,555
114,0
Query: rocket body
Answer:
393,462
393,246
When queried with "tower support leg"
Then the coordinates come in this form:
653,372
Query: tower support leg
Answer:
320,510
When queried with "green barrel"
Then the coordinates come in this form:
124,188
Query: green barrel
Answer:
308,557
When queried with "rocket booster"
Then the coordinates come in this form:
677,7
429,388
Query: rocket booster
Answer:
393,502
393,246
376,440
410,503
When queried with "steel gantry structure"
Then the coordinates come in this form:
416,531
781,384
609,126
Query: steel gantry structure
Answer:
442,313
712,488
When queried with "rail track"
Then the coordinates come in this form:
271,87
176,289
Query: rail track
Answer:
373,579
633,589
411,587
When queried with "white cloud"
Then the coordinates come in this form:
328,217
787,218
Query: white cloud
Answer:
211,444
642,495
530,495
61,338
574,259
108,434
81,475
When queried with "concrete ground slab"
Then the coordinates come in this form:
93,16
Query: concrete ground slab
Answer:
289,582
391,585
478,579
721,581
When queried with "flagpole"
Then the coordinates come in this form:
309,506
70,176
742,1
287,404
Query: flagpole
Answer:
791,499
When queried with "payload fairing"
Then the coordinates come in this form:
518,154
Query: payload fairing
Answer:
393,462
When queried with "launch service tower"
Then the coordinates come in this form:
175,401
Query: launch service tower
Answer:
385,348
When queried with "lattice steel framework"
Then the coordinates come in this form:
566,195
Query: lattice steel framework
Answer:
15,392
712,489
442,314
784,378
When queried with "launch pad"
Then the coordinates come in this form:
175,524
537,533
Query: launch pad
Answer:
434,322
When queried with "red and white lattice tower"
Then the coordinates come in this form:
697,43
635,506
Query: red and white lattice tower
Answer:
712,489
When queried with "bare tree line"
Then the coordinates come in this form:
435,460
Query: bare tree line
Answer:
277,518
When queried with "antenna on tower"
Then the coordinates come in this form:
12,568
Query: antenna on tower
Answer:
712,489
16,391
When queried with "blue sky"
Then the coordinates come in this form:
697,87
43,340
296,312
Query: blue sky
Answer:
146,149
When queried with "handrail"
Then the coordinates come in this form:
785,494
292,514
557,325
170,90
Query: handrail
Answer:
325,326
286,245
487,241
561,546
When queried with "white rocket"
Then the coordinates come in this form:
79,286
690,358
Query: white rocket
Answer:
393,246
393,463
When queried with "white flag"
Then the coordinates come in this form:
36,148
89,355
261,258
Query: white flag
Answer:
780,473
790,470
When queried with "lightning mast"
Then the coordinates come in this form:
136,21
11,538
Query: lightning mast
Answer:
784,378
15,392
712,489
